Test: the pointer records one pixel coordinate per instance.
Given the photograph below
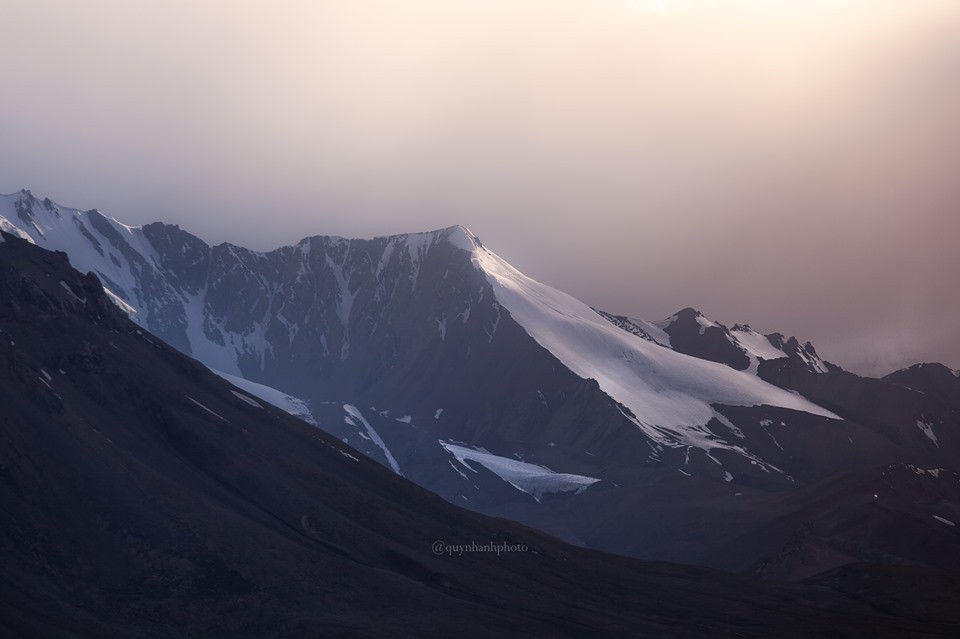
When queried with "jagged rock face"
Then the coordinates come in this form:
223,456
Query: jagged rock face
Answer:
740,347
145,497
405,347
693,334
328,313
641,328
404,322
804,354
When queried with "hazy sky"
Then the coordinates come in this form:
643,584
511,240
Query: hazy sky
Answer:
794,164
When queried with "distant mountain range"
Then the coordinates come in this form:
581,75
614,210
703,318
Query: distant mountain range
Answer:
680,440
143,496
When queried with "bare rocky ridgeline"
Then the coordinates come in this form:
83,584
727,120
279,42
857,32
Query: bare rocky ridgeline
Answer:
403,348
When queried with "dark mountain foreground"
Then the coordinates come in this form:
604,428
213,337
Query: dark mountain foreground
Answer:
143,496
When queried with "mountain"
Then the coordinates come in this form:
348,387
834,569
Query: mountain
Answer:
935,380
741,348
144,496
679,440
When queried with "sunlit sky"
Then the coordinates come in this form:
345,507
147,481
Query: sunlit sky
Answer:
793,164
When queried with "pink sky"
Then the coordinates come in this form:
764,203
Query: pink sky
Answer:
791,164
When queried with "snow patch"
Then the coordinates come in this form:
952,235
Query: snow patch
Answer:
933,472
287,403
944,521
9,227
216,356
344,304
459,472
652,331
532,479
247,400
119,303
927,429
462,238
756,346
354,412
205,408
70,292
704,323
814,363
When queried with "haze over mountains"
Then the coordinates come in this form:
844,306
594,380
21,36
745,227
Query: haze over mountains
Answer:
145,497
681,440
704,155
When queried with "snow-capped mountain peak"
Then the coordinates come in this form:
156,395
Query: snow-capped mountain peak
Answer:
432,355
460,237
330,303
669,394
741,347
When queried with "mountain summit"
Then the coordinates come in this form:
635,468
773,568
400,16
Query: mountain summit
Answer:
145,497
434,356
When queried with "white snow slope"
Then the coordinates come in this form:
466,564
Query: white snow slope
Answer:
294,406
670,394
756,346
58,228
355,414
529,478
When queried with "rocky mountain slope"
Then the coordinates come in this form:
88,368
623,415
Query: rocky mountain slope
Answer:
935,380
740,347
429,353
143,496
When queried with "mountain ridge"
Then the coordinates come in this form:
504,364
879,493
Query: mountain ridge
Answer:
146,497
433,356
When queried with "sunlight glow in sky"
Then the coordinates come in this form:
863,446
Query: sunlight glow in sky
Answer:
648,6
787,163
